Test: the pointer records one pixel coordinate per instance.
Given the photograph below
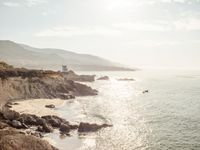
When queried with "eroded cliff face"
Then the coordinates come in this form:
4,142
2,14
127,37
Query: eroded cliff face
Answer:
16,88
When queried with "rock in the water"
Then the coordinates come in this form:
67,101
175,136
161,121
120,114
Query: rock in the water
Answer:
45,128
64,128
86,127
13,140
15,103
65,96
73,127
83,90
50,106
103,78
54,121
145,91
40,129
28,119
126,79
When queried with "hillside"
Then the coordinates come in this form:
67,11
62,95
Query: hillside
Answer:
48,58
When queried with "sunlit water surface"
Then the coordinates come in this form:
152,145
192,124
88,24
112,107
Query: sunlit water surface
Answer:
168,117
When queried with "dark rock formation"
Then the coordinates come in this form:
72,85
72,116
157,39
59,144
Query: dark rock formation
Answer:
45,128
55,121
64,128
44,124
65,96
84,90
17,124
126,79
86,127
50,106
10,114
73,127
145,91
103,78
29,119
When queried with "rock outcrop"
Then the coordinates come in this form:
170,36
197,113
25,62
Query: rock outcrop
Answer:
126,79
64,128
145,91
45,124
87,127
11,138
103,78
71,75
54,121
50,106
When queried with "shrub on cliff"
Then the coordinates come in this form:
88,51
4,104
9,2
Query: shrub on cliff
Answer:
4,65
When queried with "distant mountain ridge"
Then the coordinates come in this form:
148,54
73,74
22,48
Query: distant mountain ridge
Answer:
21,55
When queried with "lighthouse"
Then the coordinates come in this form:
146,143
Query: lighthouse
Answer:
64,68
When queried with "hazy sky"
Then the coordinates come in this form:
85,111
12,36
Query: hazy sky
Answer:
141,33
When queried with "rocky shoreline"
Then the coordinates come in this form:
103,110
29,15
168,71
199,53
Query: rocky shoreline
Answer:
26,130
30,126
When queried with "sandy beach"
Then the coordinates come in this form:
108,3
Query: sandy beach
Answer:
37,106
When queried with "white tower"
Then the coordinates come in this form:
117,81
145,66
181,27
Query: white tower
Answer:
64,68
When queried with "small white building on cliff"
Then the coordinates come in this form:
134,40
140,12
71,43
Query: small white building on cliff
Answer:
64,68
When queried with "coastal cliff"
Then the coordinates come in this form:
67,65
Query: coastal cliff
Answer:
22,84
71,75
17,84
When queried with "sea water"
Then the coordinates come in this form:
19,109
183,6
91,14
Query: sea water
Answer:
167,117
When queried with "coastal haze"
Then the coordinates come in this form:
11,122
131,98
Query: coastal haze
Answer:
166,118
141,33
100,74
21,55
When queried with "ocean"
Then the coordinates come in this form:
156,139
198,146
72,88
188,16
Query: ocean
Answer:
165,118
